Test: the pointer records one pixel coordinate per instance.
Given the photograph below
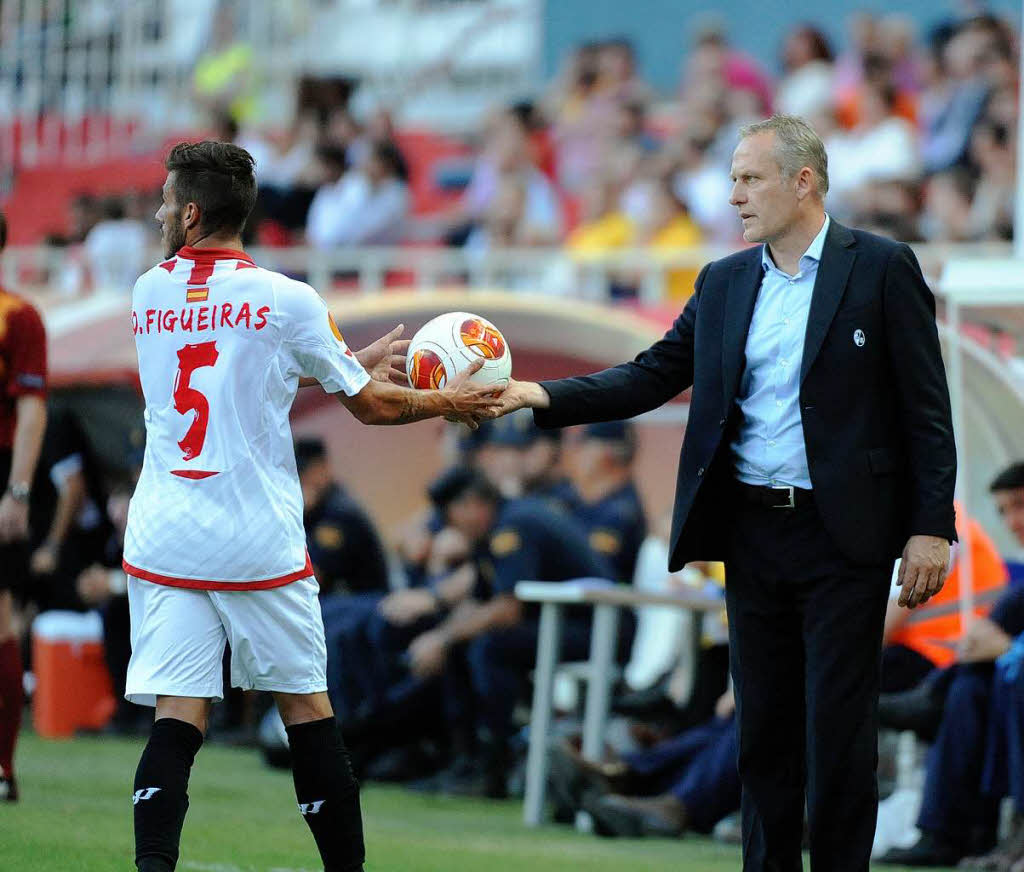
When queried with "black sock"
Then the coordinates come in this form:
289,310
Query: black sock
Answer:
328,793
161,793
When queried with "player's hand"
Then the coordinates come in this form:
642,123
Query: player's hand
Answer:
983,642
923,569
44,559
384,359
404,607
13,519
427,654
470,403
523,395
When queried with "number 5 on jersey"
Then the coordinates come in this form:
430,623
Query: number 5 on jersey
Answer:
188,399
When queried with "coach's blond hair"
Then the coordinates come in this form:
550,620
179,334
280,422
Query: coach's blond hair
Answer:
796,146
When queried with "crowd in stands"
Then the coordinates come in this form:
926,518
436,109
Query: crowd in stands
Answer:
920,130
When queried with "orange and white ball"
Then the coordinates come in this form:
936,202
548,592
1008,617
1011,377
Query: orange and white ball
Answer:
449,343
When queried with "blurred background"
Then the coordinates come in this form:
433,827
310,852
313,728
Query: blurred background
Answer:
558,167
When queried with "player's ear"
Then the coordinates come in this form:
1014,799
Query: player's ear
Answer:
190,216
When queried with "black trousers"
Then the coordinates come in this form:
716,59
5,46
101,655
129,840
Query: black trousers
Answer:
805,633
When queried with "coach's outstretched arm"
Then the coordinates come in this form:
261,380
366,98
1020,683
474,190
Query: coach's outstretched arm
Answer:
462,400
644,383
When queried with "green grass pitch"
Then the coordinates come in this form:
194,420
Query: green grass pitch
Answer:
75,813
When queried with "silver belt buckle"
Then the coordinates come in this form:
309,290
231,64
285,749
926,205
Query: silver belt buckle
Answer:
792,497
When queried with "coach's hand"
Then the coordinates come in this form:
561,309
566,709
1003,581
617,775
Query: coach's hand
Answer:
523,395
384,359
13,519
427,654
470,403
923,569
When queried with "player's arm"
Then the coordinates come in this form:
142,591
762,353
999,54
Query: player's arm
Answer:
461,400
27,374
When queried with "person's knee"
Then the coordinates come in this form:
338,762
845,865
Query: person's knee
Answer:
191,710
301,708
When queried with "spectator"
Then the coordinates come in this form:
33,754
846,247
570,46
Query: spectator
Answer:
956,102
689,782
486,647
666,227
916,642
993,151
603,226
366,206
806,88
117,249
947,206
224,78
609,508
881,147
966,774
103,586
716,66
344,546
71,492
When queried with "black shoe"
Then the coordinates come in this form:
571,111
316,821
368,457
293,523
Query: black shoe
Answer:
572,776
930,850
462,769
647,704
8,790
634,817
919,710
402,765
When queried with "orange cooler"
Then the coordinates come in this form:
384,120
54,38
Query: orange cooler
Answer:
72,684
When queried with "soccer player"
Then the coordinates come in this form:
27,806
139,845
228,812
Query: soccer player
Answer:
22,424
214,546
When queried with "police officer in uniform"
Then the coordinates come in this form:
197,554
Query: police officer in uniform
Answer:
610,507
486,646
344,547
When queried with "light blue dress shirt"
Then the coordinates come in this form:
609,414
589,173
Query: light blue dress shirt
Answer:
769,450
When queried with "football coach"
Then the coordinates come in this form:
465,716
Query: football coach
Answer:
819,448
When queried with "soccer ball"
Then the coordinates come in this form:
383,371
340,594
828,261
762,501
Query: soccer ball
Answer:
449,343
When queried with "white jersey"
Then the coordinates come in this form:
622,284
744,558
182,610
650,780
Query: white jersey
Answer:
222,344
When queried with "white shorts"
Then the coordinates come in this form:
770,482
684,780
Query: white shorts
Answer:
178,638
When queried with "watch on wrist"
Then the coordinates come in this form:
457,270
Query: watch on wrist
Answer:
19,490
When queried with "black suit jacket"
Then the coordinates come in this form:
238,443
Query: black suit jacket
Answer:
876,416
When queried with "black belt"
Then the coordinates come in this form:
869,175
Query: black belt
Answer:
784,497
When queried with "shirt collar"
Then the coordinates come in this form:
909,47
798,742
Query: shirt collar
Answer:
212,254
814,250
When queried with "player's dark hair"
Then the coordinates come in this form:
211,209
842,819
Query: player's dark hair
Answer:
218,177
3,231
1010,478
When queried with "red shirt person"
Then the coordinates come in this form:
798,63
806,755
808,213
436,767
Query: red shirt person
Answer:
22,423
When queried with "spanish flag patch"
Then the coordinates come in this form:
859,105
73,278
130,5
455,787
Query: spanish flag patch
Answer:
197,295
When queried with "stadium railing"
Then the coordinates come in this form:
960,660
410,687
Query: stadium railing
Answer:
557,271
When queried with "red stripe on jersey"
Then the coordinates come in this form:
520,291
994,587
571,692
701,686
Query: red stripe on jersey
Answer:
201,273
193,473
245,264
169,264
202,584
